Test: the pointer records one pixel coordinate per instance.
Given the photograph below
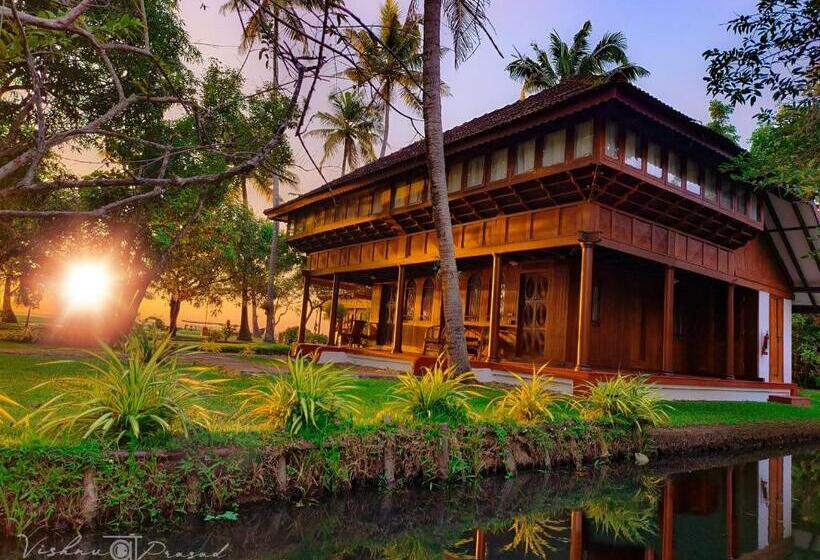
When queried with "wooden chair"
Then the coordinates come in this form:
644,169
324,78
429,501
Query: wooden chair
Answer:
354,334
432,340
475,341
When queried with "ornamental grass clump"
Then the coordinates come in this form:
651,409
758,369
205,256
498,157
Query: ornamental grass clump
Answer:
143,394
623,401
309,396
6,402
439,394
528,402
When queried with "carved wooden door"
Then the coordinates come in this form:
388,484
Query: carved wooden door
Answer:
534,315
387,314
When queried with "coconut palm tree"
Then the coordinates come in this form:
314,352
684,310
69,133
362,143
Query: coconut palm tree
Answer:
560,61
467,21
389,59
353,125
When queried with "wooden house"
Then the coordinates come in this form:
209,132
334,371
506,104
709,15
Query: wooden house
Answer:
594,231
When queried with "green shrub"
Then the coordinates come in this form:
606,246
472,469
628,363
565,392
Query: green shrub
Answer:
806,335
529,401
212,335
145,395
438,395
622,400
309,396
273,349
28,335
247,350
289,335
211,346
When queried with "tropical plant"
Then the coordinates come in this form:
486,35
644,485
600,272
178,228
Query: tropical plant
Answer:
624,516
439,394
561,61
5,414
309,396
389,59
353,125
144,394
622,400
533,534
528,401
211,346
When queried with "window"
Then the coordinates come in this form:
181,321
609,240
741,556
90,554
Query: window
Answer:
654,163
743,200
454,174
726,195
475,172
378,200
409,299
673,170
427,300
498,165
291,224
555,148
709,185
416,192
525,156
583,139
612,146
402,194
632,150
473,301
693,177
339,211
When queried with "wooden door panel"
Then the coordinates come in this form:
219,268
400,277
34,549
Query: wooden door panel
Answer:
775,339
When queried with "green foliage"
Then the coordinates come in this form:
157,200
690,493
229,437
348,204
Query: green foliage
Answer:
528,401
624,516
145,395
439,394
563,61
720,115
309,397
622,400
211,346
4,413
806,343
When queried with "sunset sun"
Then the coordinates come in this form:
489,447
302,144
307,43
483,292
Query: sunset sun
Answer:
86,285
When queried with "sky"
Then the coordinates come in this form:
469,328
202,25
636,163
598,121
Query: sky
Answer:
667,38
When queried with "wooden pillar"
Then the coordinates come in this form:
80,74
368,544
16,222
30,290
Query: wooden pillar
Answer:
730,331
728,498
334,304
495,308
667,521
480,545
576,540
668,319
305,297
585,301
398,319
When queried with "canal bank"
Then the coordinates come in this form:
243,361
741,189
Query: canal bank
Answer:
86,486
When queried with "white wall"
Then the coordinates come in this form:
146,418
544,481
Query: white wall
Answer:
787,340
762,329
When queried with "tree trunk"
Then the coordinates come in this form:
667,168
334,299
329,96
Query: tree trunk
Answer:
244,327
245,192
254,318
386,123
173,315
7,315
273,263
434,144
345,155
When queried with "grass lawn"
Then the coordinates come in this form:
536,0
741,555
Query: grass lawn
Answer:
19,373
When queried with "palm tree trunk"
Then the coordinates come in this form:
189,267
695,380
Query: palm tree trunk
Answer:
434,144
345,155
244,327
269,304
254,317
245,192
386,123
7,315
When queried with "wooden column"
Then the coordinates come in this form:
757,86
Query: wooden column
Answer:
667,521
728,498
730,331
305,297
495,308
585,301
576,537
668,319
398,318
480,545
334,304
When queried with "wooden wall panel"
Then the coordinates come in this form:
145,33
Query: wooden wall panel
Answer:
545,223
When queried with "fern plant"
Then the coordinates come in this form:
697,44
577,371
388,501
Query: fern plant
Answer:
623,400
308,396
143,394
529,401
439,394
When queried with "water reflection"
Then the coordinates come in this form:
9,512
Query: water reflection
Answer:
759,508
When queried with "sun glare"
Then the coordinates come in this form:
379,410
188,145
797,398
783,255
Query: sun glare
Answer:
86,285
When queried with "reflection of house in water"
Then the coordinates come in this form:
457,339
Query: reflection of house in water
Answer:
739,511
